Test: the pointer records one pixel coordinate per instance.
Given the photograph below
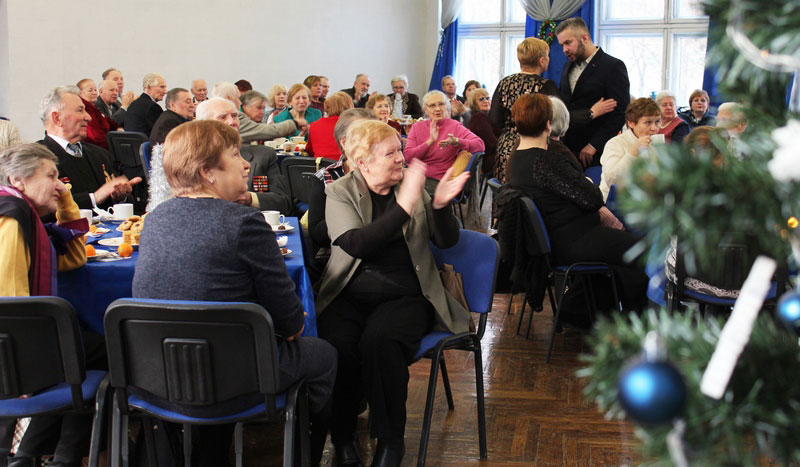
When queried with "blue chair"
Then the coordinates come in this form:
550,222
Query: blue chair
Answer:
594,172
476,256
41,353
192,356
473,167
538,244
146,155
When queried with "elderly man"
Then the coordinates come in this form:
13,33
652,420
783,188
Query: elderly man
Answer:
596,90
267,188
456,101
360,90
250,130
325,87
180,109
124,99
144,111
199,90
731,117
87,167
107,98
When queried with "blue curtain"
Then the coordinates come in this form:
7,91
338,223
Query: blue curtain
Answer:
710,80
557,57
445,56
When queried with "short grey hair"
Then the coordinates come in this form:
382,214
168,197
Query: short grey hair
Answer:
150,80
54,100
346,119
402,78
252,96
436,93
737,114
101,85
22,160
225,90
663,95
559,124
203,110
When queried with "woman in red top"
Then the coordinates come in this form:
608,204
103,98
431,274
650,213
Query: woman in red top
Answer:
99,125
321,142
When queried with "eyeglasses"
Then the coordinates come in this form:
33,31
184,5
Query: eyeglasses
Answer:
485,98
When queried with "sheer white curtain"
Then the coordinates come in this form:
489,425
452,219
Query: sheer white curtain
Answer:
451,9
541,10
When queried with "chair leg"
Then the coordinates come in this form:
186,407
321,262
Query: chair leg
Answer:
426,418
99,422
479,392
530,318
290,427
124,435
446,381
238,440
522,312
461,215
187,445
116,439
303,424
510,301
556,320
614,291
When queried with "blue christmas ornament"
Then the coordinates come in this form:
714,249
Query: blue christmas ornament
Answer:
789,310
651,390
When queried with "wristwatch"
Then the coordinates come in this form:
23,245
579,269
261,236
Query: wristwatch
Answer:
591,114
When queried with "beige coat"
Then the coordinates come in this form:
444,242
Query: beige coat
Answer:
349,206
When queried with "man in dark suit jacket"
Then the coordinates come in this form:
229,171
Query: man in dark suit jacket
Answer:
144,111
180,109
267,189
360,90
596,90
119,107
88,167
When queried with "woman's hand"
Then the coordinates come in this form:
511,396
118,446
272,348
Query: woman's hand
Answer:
413,183
608,219
448,188
434,135
642,144
450,141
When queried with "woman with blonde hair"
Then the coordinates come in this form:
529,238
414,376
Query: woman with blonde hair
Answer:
479,103
299,98
277,100
534,58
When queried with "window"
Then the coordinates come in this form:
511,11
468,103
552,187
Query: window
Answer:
662,42
488,34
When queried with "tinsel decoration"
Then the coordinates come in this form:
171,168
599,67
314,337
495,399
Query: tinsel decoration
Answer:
547,31
157,187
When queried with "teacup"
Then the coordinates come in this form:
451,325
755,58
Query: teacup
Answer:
87,213
657,139
288,146
282,240
273,218
121,211
298,139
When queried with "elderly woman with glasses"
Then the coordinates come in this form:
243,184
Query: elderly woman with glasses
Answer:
409,102
438,139
479,104
672,126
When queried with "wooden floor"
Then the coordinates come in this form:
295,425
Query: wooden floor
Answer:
536,414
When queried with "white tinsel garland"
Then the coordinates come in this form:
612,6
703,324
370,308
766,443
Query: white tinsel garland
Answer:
785,163
158,187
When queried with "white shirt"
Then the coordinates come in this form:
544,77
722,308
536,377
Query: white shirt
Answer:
577,70
63,143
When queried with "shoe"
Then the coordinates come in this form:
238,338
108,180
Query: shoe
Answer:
347,454
389,453
21,461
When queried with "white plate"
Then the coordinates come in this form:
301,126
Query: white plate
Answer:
116,241
287,227
100,254
288,252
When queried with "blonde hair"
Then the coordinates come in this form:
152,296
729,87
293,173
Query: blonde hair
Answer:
473,98
295,89
362,136
274,92
192,147
338,103
530,50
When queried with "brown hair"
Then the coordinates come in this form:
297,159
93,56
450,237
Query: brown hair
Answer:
244,85
578,24
698,93
192,147
373,100
295,89
473,98
471,82
641,107
699,140
311,79
531,112
338,103
530,50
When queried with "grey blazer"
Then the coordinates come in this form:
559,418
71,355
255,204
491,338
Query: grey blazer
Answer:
349,206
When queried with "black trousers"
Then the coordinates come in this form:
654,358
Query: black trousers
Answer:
376,339
67,436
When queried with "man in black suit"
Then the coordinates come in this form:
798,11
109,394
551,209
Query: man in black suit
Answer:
144,111
180,109
120,107
107,98
267,188
88,167
360,90
596,90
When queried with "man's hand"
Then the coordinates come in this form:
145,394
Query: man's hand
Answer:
608,219
117,188
456,106
126,99
246,199
587,154
603,106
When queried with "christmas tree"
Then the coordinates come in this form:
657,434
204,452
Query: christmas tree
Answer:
685,194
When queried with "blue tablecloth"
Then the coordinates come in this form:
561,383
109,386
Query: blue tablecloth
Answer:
93,287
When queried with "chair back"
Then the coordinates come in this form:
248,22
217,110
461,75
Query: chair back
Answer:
124,148
476,257
474,169
494,185
192,353
537,240
145,156
40,346
594,172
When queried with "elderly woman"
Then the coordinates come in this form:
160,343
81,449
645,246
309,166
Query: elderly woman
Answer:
570,204
381,291
409,102
314,84
672,126
438,140
253,105
277,100
99,125
249,129
299,98
30,254
534,57
479,103
233,258
381,107
321,141
643,118
697,113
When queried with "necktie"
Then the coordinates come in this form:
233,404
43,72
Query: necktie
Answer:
76,149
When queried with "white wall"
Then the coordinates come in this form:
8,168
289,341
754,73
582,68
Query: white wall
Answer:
53,42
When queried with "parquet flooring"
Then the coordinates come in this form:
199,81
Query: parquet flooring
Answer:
535,412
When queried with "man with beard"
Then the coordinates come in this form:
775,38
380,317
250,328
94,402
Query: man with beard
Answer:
596,90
